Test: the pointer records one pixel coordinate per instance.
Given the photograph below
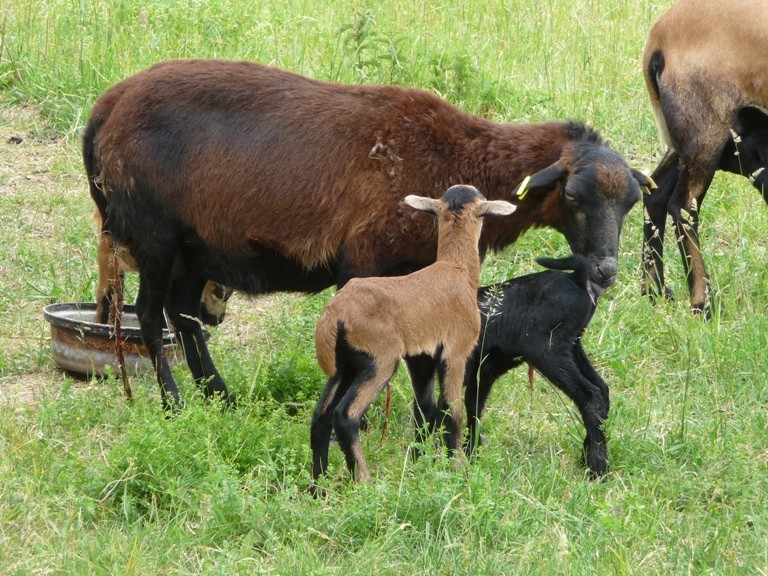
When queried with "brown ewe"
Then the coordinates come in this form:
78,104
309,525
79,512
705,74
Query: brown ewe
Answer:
265,181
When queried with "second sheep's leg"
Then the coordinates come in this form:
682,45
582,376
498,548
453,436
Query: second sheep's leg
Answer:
183,309
348,413
422,370
567,374
451,402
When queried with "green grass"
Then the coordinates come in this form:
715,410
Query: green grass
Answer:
93,484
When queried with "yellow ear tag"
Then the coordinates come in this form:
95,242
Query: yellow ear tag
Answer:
523,189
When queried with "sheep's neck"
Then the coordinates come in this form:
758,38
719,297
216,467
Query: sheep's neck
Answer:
459,248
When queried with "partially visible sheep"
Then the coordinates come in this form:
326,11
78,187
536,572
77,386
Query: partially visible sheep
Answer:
539,319
704,65
371,323
213,302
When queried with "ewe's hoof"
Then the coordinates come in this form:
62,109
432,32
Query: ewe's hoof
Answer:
655,295
172,409
597,470
318,492
702,310
230,403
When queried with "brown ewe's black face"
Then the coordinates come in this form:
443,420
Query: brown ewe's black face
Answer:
597,195
597,189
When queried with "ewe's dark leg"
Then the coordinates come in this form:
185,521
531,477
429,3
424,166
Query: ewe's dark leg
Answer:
761,183
754,167
684,207
154,283
655,223
183,307
564,370
422,370
747,155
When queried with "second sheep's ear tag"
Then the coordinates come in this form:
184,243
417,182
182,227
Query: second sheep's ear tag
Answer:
522,190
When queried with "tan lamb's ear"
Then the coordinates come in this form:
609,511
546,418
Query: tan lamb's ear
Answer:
422,203
496,208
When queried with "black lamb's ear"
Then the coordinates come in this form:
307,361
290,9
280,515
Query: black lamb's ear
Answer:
543,179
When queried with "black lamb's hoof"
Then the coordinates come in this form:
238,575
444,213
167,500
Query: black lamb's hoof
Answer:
595,458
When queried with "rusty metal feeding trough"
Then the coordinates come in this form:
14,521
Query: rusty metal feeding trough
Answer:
84,347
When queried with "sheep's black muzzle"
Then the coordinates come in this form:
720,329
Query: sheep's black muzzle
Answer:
603,271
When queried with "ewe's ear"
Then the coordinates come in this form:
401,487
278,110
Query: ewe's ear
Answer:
543,179
644,181
422,203
495,208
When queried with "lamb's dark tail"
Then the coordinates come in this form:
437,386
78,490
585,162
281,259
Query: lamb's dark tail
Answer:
579,264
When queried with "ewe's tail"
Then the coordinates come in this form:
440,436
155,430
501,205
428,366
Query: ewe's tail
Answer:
92,170
653,69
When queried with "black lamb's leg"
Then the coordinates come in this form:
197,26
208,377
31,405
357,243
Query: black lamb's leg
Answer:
481,374
423,370
565,369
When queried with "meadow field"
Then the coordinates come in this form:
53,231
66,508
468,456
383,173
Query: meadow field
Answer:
91,483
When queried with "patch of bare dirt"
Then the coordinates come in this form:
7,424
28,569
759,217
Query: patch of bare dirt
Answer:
34,163
28,152
24,389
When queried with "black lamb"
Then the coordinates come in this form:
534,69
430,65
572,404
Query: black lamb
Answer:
539,319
